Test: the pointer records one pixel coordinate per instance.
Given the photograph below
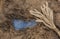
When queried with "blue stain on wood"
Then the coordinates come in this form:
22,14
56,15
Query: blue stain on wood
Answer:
20,24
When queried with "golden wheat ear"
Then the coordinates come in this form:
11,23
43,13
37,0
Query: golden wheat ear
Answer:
46,17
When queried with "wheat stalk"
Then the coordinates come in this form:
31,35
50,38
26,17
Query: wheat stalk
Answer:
46,17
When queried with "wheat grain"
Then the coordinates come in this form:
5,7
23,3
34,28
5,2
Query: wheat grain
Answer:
46,17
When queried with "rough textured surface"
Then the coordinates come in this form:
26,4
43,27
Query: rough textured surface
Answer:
13,9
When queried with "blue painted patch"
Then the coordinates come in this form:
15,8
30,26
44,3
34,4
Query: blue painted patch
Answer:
20,24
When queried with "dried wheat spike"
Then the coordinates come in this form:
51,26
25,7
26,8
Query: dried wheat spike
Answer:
46,17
